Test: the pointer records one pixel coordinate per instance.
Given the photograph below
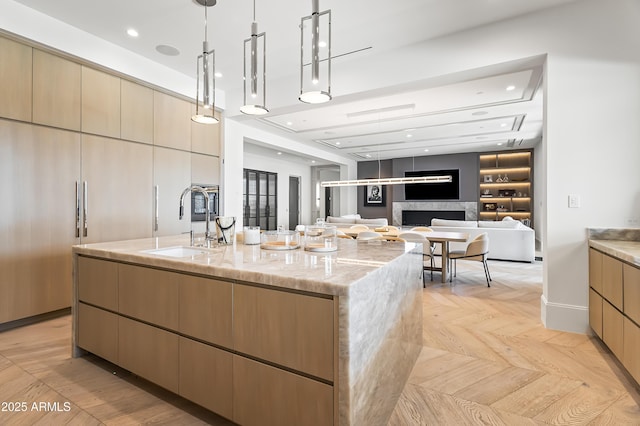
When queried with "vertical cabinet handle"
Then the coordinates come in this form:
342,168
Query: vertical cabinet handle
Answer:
85,208
77,209
157,207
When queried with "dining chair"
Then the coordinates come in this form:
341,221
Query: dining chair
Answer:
343,235
368,235
415,237
394,238
476,250
359,228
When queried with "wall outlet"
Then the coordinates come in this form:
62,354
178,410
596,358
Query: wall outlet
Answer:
574,201
633,221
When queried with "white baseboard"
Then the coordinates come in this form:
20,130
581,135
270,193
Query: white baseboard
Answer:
559,316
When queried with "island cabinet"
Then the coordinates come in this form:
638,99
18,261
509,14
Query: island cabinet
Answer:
614,307
255,355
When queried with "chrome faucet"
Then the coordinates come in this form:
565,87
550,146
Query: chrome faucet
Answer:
195,188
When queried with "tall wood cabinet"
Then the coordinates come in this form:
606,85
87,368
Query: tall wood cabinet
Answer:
84,154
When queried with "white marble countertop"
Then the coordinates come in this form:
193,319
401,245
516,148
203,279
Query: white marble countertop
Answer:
628,251
330,273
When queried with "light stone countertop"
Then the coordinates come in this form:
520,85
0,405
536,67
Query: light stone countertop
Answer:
628,251
330,273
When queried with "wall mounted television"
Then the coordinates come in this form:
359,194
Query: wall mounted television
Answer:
433,191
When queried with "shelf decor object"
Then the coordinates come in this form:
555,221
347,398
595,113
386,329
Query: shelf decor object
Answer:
206,63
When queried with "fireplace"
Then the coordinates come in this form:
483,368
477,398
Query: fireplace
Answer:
463,210
423,217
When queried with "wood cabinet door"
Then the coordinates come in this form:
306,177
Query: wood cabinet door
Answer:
98,282
100,103
595,270
206,376
171,122
205,309
119,179
98,332
612,329
37,226
631,360
137,112
612,281
148,294
171,175
289,329
595,312
149,352
631,278
56,91
16,72
264,395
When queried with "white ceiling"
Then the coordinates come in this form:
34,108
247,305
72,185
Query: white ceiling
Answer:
471,112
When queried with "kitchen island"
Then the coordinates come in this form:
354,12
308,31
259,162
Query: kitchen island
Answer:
257,336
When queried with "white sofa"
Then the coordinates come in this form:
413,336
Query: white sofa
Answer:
355,219
508,239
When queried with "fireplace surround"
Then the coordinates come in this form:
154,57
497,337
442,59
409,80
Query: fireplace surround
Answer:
470,208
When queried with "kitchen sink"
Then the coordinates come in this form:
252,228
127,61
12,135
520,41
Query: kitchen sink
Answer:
178,251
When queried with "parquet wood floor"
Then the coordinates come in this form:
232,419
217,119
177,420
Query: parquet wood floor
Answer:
486,359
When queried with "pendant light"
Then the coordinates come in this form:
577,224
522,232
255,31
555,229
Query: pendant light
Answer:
315,86
205,70
255,87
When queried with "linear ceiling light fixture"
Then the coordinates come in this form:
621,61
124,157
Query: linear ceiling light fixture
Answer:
388,181
253,85
315,87
205,110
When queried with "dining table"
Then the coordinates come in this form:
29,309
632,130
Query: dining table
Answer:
441,237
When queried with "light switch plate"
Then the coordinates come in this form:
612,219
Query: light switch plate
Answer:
574,201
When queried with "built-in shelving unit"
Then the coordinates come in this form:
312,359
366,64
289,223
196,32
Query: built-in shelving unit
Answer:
506,186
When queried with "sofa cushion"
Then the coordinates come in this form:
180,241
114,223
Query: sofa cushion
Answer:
335,219
456,223
377,222
351,216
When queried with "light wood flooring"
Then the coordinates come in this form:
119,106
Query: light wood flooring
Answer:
486,360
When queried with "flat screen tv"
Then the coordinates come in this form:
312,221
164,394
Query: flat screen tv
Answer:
433,191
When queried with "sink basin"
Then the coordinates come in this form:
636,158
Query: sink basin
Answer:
177,251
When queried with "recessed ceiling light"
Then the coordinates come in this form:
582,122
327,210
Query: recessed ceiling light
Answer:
289,123
167,50
322,44
218,74
480,113
426,150
313,161
279,153
368,155
503,125
337,143
499,144
132,32
510,88
409,135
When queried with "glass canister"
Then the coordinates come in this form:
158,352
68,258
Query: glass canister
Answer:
320,237
280,240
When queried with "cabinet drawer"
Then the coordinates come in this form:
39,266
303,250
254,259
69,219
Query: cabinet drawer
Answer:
98,282
612,329
149,294
206,376
98,332
632,293
595,312
205,309
612,280
595,270
265,395
289,329
631,360
149,352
